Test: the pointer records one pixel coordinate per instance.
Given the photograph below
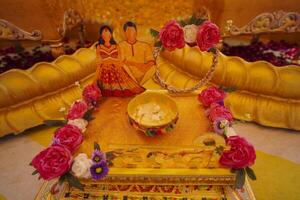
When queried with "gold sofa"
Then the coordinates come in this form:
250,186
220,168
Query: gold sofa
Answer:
265,94
28,97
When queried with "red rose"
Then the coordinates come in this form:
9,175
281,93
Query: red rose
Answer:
91,94
208,36
240,155
52,162
69,136
77,110
172,36
211,95
217,111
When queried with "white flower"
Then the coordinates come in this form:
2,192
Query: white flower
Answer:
80,123
77,84
81,166
62,109
190,33
229,131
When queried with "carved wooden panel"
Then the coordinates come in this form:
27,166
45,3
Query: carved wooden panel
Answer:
9,31
278,21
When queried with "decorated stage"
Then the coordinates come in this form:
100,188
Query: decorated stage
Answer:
150,110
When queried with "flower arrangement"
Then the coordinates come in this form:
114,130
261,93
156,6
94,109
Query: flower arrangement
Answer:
241,154
57,161
194,32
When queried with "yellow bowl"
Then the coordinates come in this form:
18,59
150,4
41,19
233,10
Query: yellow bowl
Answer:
152,113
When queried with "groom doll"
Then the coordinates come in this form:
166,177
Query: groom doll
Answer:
137,55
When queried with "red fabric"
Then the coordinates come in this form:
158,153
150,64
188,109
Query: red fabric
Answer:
117,93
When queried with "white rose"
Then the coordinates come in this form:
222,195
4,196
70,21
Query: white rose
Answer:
229,131
190,33
80,123
81,166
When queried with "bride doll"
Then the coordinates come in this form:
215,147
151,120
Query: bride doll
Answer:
111,77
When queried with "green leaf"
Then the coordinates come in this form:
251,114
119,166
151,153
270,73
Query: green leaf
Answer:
213,50
230,89
193,20
88,115
209,142
97,146
110,155
154,33
157,44
219,150
227,89
240,178
200,21
35,172
61,179
182,23
74,181
250,173
150,133
55,122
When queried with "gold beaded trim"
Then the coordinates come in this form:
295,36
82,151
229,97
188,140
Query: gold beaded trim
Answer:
208,76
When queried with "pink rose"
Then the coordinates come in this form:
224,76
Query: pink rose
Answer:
208,36
69,136
52,162
172,36
211,95
240,155
217,111
77,110
91,94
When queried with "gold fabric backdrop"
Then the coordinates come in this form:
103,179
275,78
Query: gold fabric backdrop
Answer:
47,15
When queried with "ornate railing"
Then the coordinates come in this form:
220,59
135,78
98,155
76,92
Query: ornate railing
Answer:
71,20
9,31
275,22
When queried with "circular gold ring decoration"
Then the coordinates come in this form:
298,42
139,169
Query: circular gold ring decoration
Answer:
208,76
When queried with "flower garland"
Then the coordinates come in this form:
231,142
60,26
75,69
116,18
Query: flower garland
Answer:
57,160
241,154
193,31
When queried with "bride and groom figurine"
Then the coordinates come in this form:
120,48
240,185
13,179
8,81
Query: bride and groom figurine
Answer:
122,67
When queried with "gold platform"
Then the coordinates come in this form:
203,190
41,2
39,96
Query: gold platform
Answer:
175,165
135,191
111,127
